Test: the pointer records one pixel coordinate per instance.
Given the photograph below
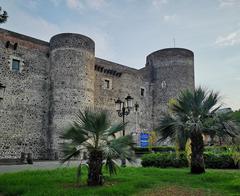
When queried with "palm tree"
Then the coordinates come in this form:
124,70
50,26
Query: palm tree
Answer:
187,120
223,126
92,132
3,16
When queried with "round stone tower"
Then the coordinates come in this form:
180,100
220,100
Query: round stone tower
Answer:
171,71
72,59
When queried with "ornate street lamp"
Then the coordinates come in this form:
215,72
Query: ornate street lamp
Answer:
123,109
2,91
136,106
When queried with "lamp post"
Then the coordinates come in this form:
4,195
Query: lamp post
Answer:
136,106
123,109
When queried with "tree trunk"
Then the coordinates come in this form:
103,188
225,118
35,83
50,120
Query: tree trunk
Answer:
197,160
95,176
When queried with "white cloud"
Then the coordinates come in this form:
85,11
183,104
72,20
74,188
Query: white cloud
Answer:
55,2
103,41
229,40
32,3
159,3
103,46
84,4
96,4
35,26
168,18
229,3
74,4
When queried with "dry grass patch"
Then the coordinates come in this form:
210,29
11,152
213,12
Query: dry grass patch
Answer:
175,191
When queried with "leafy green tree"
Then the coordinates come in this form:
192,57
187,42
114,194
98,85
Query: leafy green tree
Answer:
92,132
236,115
187,120
3,15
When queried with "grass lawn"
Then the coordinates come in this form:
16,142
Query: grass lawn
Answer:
129,181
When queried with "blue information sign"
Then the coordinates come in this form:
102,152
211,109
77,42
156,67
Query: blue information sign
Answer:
144,137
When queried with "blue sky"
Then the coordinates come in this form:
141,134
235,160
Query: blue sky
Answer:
126,31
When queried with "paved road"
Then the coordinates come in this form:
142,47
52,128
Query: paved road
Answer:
47,165
36,165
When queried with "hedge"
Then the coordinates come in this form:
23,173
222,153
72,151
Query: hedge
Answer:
217,149
217,161
164,160
147,150
139,150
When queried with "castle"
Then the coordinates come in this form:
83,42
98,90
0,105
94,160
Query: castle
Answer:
48,82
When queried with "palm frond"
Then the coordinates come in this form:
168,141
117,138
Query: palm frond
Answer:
168,127
181,138
85,120
115,129
69,150
199,95
123,147
75,133
101,121
226,125
111,166
184,103
210,102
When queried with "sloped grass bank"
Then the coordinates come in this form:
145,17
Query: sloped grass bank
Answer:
129,181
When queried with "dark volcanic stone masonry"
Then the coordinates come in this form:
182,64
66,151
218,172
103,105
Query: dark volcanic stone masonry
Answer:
58,78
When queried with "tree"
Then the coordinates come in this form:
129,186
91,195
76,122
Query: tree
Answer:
181,139
3,16
223,126
236,115
188,119
92,132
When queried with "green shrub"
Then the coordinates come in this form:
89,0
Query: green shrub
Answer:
164,149
217,149
212,160
219,160
139,150
164,160
213,149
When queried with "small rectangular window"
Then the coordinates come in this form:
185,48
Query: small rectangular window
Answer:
142,92
15,65
107,84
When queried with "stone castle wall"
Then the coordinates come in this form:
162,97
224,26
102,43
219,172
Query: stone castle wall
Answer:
172,71
125,81
72,63
58,78
24,109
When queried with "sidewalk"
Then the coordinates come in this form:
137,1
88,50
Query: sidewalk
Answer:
38,165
